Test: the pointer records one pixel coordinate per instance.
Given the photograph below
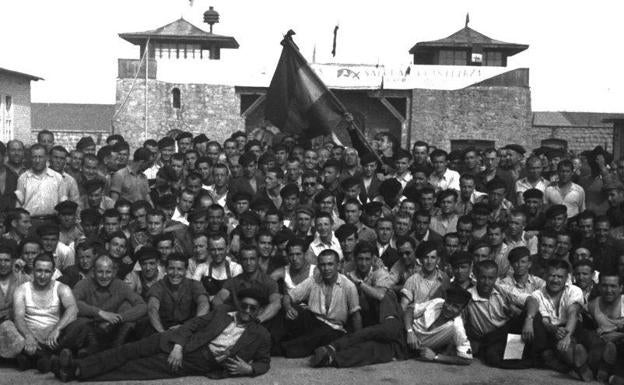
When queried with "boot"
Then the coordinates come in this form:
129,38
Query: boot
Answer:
552,362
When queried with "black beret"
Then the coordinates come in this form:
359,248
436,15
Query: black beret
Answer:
555,210
372,207
48,229
66,207
345,231
147,252
184,134
350,182
93,185
460,257
495,184
533,193
241,196
288,190
85,141
249,217
481,208
90,216
166,142
142,154
369,157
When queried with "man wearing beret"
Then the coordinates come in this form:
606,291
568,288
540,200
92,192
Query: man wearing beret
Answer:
86,145
219,344
70,232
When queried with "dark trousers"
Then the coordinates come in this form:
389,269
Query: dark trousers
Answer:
298,338
492,345
594,345
141,360
96,338
375,344
72,337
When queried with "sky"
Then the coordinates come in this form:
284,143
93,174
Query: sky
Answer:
575,53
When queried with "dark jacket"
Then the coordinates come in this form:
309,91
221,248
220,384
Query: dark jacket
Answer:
7,198
254,345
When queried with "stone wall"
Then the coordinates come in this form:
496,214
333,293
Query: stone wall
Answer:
578,138
19,89
498,113
213,110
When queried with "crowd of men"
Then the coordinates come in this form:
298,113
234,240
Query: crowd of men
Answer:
187,256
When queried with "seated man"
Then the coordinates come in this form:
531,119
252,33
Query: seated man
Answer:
10,342
407,264
461,264
45,313
320,323
383,342
559,305
174,299
298,268
490,316
29,249
606,310
117,247
423,285
252,276
140,281
110,305
371,281
218,344
521,280
218,267
436,325
85,255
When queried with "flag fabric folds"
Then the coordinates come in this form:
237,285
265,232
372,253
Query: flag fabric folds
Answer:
297,101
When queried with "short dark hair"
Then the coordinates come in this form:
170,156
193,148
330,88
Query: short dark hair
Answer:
365,247
559,264
329,252
177,257
45,257
488,264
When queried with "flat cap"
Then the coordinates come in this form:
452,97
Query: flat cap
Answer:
516,148
533,193
48,229
305,209
166,142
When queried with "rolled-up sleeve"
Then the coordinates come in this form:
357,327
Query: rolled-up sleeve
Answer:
353,299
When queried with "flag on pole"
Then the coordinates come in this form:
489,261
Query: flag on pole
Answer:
297,101
467,19
334,44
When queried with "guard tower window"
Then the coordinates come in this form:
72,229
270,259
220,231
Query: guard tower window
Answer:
175,98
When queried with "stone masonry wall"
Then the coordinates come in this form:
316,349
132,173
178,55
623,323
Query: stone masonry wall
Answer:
501,114
578,138
210,109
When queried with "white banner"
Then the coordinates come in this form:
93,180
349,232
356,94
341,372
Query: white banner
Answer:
337,76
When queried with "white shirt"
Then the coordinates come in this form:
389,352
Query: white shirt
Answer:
177,216
318,245
573,200
558,316
449,180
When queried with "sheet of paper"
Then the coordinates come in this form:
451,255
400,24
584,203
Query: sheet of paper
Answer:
514,347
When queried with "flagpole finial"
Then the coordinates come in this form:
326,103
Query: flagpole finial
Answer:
467,19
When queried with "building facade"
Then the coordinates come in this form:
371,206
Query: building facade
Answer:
15,106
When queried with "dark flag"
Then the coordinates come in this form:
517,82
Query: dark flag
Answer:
297,101
334,44
467,19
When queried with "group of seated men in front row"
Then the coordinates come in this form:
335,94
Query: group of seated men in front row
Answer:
359,313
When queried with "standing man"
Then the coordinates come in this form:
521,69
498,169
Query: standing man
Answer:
130,183
40,188
565,192
8,183
15,156
58,160
442,177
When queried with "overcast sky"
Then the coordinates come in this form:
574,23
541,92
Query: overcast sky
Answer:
575,55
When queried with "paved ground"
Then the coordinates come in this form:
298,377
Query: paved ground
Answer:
296,372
